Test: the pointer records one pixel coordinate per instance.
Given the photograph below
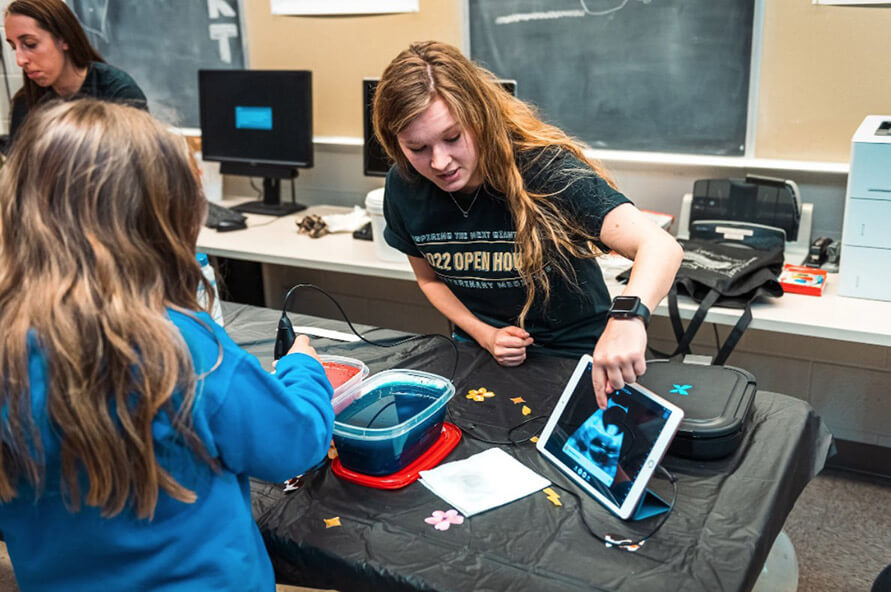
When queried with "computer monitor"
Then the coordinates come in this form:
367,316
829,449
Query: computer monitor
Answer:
375,160
258,123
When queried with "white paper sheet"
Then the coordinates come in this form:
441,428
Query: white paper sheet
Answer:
342,6
328,333
484,481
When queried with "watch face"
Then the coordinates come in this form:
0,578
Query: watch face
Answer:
624,304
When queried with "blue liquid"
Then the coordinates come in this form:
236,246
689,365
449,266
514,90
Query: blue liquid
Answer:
387,407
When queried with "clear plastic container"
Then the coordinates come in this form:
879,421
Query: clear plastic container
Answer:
344,374
393,417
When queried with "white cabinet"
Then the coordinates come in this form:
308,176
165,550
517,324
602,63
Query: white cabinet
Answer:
865,265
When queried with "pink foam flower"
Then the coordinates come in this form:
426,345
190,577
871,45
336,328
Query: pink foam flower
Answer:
442,520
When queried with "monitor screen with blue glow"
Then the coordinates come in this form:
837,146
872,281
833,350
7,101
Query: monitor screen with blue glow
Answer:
254,118
258,123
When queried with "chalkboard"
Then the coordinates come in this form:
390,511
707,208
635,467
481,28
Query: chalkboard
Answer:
163,43
649,75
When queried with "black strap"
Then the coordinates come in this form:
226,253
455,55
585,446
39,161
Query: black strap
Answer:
674,314
685,336
734,336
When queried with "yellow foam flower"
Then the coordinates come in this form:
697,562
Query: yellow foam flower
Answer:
480,394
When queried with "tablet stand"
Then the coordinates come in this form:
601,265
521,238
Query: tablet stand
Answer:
650,505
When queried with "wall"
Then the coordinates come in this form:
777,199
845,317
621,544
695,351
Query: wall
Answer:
341,51
823,69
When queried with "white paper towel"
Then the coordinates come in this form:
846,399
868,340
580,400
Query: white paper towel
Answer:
484,481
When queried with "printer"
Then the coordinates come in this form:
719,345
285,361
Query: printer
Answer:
866,243
761,212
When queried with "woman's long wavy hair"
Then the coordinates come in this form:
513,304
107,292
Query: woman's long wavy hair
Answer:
60,21
99,214
503,128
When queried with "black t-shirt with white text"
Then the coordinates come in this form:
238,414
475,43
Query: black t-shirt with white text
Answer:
474,255
103,81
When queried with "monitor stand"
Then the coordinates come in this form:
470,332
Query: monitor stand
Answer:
271,204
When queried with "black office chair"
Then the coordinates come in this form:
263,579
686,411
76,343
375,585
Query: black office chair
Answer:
883,581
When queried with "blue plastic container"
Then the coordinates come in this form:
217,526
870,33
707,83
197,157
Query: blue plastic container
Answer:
395,416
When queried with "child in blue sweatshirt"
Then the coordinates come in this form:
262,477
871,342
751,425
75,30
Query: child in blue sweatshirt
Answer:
129,421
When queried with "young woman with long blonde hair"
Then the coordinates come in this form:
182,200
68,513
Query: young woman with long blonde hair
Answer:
129,421
502,216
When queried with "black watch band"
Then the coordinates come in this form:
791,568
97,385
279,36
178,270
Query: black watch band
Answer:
629,307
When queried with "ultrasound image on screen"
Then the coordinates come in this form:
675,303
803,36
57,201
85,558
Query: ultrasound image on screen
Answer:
596,446
606,447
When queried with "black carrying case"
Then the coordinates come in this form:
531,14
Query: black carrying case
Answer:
717,403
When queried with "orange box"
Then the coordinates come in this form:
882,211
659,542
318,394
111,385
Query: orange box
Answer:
798,279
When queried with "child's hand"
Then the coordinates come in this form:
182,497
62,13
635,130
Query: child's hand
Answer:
302,346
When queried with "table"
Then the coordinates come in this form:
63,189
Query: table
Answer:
275,240
726,517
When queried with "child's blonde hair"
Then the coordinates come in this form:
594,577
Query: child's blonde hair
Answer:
99,215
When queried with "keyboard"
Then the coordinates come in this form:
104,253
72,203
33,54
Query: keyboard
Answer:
217,213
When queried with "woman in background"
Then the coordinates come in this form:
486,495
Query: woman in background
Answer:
129,421
57,60
502,216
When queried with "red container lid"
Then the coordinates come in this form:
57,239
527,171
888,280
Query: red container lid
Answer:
448,439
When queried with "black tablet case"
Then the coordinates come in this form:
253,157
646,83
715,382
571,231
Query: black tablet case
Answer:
717,402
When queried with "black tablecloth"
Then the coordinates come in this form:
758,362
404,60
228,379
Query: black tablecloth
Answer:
727,513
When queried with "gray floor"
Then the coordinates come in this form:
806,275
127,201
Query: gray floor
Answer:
841,529
840,526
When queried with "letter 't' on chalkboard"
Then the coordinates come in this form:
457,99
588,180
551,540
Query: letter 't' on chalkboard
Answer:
649,75
163,43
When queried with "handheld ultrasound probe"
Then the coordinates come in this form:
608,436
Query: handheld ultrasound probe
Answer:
284,336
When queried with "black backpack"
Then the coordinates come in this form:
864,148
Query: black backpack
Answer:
721,273
726,274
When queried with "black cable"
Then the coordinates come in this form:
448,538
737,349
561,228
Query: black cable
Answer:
259,224
717,338
619,542
468,431
255,188
379,411
655,353
343,314
260,195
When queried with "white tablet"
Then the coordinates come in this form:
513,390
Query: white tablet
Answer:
610,453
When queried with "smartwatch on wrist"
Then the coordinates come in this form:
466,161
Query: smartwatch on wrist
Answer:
628,307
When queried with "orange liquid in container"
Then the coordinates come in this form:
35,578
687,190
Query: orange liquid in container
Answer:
338,373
